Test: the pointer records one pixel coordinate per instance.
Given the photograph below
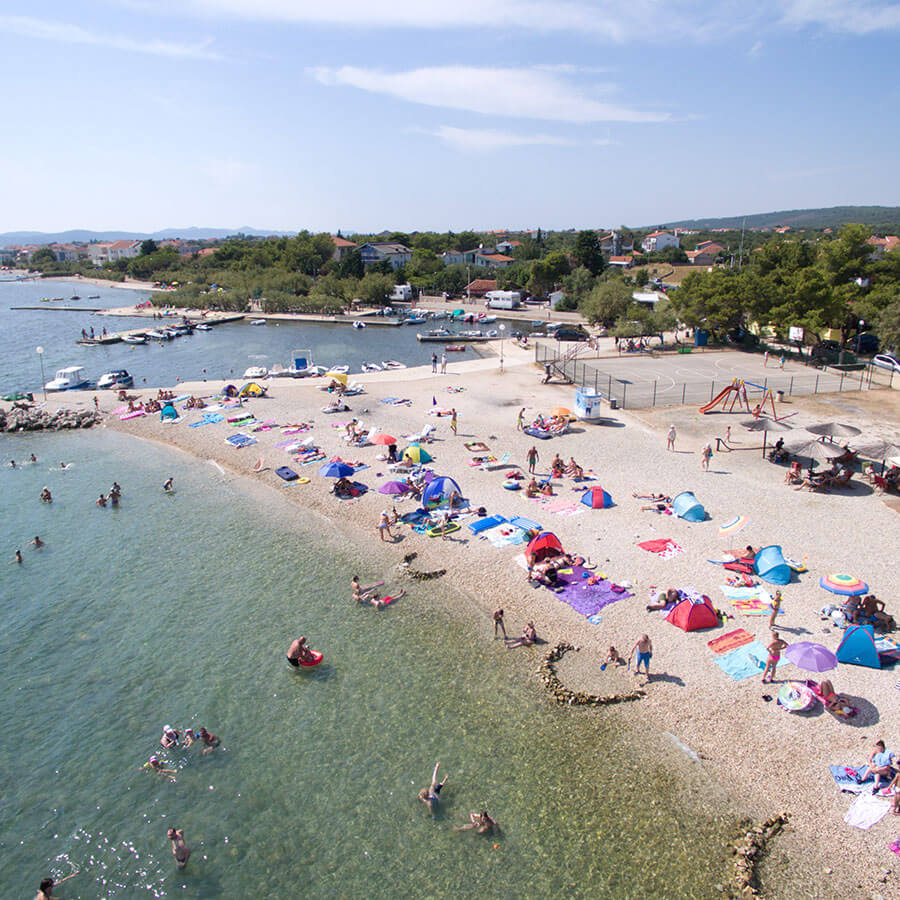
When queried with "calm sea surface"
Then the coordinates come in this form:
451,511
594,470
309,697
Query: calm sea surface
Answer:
225,352
178,610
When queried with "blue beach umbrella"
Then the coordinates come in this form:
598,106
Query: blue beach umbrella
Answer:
336,470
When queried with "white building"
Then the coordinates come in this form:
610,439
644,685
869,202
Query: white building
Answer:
396,254
657,241
112,251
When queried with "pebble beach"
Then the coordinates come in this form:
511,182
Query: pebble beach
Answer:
764,760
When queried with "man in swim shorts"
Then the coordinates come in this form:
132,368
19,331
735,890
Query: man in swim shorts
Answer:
644,649
180,850
298,652
430,796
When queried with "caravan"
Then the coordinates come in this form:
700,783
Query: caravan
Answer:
402,293
503,299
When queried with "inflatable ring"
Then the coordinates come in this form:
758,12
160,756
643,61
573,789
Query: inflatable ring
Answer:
310,663
512,485
303,480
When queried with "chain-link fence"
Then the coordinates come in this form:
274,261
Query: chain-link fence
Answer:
647,394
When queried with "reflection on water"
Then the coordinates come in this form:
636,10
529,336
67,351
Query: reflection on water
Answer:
178,610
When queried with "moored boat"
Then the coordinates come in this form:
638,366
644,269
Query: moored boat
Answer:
256,372
71,378
117,378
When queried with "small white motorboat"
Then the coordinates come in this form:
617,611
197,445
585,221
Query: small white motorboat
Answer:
257,321
158,335
359,324
370,367
72,378
343,370
134,339
256,372
117,378
392,364
203,326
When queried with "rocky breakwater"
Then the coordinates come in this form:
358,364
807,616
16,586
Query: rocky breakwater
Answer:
29,418
563,695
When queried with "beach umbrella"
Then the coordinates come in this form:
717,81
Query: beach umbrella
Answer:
810,448
833,429
732,526
561,411
336,469
382,438
877,448
394,487
842,583
765,426
337,376
811,657
416,454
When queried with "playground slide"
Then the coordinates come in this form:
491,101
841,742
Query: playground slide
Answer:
716,400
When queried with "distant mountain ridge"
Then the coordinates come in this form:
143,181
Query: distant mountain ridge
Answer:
80,235
884,218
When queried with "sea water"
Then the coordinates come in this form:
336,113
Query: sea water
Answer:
178,609
224,352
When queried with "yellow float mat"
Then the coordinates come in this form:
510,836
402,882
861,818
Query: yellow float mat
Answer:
438,530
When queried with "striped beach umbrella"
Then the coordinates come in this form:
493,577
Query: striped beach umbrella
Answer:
842,583
733,526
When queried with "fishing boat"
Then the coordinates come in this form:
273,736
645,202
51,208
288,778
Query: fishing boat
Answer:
134,339
416,319
486,320
94,297
71,378
436,334
459,348
74,297
341,370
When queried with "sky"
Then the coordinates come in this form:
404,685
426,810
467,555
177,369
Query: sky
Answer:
431,115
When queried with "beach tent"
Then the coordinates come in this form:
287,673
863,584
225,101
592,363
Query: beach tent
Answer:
439,490
416,454
858,647
168,412
229,390
686,506
771,565
252,389
596,498
693,614
541,546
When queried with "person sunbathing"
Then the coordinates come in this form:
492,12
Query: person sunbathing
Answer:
574,469
529,636
835,703
841,480
846,457
544,572
532,489
852,610
659,498
557,467
664,600
873,608
794,475
813,482
547,488
880,765
658,507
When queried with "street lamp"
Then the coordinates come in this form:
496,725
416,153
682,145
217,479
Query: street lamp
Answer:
859,328
40,353
502,329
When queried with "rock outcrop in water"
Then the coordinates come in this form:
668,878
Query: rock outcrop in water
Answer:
404,568
748,850
22,418
563,695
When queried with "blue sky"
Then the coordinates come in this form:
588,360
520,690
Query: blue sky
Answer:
289,114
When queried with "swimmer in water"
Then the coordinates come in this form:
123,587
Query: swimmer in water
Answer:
180,850
299,652
12,464
32,458
168,486
386,600
17,557
45,891
46,496
430,796
37,543
481,823
361,594
101,500
170,737
63,465
155,765
210,741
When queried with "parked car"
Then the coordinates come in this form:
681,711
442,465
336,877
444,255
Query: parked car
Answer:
886,361
864,343
571,333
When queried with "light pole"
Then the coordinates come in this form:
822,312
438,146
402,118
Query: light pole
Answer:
502,329
40,353
859,328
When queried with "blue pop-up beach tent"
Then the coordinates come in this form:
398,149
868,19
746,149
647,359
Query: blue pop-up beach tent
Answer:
440,490
686,506
168,412
771,565
858,647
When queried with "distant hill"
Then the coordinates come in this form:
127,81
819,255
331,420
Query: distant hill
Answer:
192,233
880,218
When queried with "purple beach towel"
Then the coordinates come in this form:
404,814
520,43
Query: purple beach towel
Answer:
584,598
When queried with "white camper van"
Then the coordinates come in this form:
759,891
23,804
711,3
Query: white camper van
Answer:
504,299
402,292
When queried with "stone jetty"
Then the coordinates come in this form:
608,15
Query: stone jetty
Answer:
28,418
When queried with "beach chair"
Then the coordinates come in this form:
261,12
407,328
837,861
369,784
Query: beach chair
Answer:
500,463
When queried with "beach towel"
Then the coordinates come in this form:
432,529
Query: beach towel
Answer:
208,419
746,662
725,643
133,415
847,778
505,536
866,811
240,440
477,447
572,588
664,547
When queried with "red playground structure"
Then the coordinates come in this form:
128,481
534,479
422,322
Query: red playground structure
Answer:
736,391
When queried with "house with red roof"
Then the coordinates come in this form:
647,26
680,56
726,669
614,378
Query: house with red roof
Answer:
341,247
480,286
705,254
882,245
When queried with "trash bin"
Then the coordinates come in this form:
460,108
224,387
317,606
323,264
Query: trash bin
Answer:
613,403
779,395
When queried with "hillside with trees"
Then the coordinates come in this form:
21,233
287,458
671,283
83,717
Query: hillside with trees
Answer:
878,218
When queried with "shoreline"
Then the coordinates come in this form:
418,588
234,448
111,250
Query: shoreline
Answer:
768,752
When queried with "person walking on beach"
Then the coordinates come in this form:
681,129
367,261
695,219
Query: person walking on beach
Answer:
434,363
705,456
776,605
498,623
644,649
520,421
96,404
430,796
670,438
443,363
774,649
727,434
180,850
453,420
766,359
384,525
532,457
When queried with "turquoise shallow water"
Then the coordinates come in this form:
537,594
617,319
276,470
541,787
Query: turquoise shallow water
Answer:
178,609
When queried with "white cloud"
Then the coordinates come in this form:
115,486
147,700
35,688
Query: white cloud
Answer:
484,140
854,16
755,50
63,32
519,93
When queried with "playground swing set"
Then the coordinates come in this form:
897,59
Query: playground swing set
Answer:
736,394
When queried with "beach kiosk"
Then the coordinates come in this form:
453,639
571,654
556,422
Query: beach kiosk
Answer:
587,404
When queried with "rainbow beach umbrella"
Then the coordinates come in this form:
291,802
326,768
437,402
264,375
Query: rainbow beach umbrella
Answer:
733,526
842,583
